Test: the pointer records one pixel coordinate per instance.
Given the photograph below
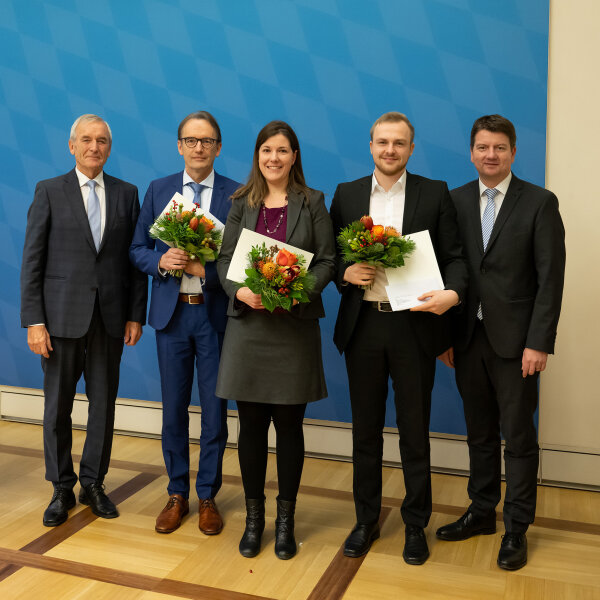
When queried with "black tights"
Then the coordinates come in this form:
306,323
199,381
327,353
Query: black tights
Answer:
255,419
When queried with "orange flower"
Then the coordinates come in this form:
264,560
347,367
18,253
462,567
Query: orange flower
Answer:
391,232
377,233
269,270
207,223
193,223
285,258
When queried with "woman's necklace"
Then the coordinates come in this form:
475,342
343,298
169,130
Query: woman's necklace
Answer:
279,222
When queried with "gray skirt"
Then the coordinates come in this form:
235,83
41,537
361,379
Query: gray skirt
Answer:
272,359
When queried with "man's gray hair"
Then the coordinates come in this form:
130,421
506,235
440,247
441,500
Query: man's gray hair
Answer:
88,119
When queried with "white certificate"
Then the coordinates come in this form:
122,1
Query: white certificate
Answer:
248,239
187,205
419,274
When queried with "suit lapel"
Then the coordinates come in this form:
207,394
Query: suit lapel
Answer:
411,199
474,215
75,201
112,196
295,202
362,201
508,204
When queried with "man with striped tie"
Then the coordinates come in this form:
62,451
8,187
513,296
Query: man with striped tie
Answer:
81,299
513,238
189,316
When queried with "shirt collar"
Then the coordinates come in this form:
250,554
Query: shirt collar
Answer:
208,182
399,186
83,179
502,187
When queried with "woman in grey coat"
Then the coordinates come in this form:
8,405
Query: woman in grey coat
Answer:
271,362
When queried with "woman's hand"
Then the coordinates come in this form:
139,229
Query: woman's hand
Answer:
247,296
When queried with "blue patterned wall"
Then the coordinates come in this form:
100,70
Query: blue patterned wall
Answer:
328,67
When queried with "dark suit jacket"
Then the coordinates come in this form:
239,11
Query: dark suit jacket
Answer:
308,227
519,278
62,272
145,252
427,206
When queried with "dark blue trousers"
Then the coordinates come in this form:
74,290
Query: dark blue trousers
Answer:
189,338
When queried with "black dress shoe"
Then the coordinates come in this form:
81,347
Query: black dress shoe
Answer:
467,526
360,539
416,551
101,505
513,551
57,512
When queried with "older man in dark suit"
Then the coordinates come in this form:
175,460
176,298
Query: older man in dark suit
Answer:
80,300
379,343
513,238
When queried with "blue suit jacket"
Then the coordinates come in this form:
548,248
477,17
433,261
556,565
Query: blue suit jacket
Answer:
145,252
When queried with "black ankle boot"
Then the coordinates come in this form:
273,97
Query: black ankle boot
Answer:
255,525
285,544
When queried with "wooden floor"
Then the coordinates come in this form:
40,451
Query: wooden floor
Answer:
124,558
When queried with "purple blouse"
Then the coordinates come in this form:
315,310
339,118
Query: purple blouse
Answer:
272,215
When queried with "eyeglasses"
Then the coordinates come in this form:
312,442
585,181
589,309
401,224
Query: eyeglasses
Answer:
192,142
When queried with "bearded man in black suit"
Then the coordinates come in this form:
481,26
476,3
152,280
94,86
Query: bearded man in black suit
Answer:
80,300
513,238
403,345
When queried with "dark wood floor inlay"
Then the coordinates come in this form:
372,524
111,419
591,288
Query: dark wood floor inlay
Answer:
341,571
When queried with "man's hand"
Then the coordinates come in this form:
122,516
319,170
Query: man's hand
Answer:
247,296
173,259
195,267
360,274
437,301
533,361
133,332
447,357
38,340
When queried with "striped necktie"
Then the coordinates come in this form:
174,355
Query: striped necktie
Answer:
93,211
487,224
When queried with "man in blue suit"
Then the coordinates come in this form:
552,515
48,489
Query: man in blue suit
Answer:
189,316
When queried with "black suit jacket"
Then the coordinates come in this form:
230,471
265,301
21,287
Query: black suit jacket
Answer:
519,278
308,227
427,206
62,272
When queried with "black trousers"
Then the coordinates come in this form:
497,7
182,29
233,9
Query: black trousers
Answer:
97,355
384,345
255,419
497,399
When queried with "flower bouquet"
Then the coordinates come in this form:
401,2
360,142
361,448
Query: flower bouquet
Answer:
376,245
186,230
279,276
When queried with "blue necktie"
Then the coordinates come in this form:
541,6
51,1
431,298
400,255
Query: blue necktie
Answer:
487,224
93,211
197,187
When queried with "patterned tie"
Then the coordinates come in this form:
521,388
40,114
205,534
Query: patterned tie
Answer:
487,224
197,187
94,213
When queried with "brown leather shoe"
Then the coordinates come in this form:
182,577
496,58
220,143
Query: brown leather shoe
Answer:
209,519
172,514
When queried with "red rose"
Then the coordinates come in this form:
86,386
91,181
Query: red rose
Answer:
367,221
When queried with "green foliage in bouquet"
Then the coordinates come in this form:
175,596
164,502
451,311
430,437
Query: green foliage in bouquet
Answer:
279,276
380,246
196,234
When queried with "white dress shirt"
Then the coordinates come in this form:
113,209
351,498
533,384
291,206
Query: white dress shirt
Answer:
386,208
502,188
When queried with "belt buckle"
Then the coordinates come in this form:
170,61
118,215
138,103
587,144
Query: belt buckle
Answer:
193,298
383,306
